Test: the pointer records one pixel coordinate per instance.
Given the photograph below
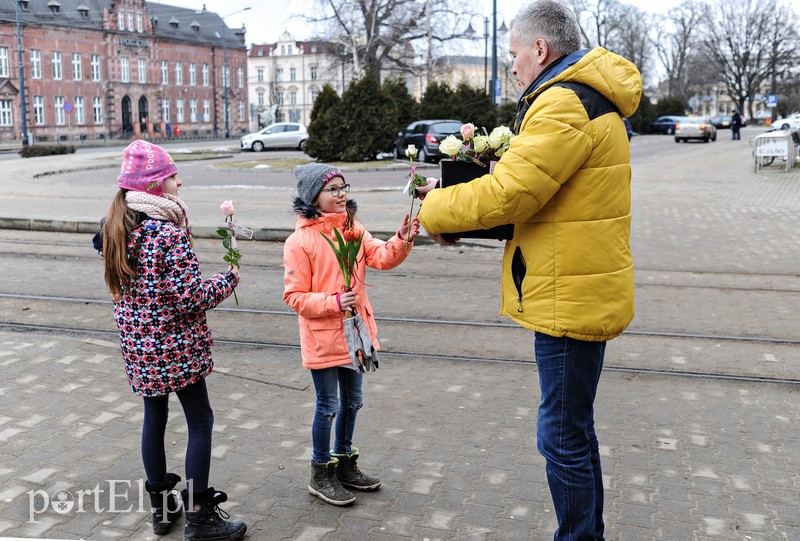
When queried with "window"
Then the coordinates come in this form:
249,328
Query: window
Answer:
279,96
130,21
192,110
240,77
313,73
260,97
241,110
80,112
139,21
6,116
192,74
59,106
260,75
293,97
57,72
178,73
165,109
314,94
279,75
97,109
125,69
5,67
292,74
283,50
164,72
206,82
95,67
179,109
77,70
206,111
36,64
120,20
38,110
142,70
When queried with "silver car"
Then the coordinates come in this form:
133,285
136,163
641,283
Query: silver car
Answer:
695,127
279,135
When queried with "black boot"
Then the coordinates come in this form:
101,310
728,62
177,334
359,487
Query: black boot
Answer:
205,521
166,508
325,486
350,476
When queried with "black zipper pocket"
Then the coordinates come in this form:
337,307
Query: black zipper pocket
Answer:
518,269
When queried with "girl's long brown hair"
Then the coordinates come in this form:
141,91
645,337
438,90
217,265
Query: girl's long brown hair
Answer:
119,222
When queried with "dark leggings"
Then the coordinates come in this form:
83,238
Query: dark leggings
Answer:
199,420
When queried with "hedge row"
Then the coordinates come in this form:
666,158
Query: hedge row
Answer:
32,151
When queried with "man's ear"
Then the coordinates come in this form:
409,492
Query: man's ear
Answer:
542,50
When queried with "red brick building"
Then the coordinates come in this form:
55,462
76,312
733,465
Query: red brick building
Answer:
96,69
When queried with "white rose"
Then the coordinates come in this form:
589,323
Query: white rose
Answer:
451,146
499,136
411,151
480,143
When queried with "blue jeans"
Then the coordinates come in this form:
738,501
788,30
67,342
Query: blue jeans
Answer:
343,406
569,371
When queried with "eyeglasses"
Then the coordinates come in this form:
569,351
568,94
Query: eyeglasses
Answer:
336,191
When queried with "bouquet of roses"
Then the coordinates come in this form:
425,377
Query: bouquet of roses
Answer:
480,149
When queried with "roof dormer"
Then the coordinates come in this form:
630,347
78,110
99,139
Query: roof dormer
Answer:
55,6
174,22
195,26
83,9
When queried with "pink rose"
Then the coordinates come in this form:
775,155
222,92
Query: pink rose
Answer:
227,208
467,131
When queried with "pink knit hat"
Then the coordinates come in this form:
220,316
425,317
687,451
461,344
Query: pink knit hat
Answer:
145,167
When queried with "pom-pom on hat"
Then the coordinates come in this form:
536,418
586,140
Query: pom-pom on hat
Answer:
145,167
311,178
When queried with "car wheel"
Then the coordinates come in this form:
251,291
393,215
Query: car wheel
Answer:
422,156
706,139
677,140
785,127
302,145
258,146
399,154
670,131
714,138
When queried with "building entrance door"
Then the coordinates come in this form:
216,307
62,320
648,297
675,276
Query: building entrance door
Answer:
127,124
143,114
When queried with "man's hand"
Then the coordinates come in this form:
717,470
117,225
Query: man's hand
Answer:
422,190
439,239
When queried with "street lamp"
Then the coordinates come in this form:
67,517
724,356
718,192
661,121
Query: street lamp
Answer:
495,86
225,73
23,108
470,32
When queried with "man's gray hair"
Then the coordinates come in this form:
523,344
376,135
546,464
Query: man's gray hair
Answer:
552,21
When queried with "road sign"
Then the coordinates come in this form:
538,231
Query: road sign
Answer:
772,100
67,107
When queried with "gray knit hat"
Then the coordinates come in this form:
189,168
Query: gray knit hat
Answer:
311,178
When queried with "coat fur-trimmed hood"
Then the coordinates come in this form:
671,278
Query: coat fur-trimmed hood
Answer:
301,208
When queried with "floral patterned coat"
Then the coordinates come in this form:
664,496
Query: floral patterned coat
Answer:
166,342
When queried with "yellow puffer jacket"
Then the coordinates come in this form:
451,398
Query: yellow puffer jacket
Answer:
565,185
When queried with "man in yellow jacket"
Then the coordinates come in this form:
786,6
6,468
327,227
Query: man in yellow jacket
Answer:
568,272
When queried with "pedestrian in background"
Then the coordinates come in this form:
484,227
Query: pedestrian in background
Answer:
160,310
736,125
314,287
568,271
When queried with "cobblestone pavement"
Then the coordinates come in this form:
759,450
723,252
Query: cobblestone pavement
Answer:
684,458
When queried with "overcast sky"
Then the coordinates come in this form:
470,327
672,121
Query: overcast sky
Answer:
267,19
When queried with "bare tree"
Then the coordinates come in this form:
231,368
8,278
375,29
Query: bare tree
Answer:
600,21
630,39
384,35
752,42
674,37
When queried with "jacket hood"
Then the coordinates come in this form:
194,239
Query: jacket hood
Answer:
310,212
613,76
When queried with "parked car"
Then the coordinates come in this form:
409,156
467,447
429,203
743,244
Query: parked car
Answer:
426,136
791,122
628,127
699,127
665,124
279,135
721,122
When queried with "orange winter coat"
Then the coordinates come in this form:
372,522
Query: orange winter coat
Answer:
312,279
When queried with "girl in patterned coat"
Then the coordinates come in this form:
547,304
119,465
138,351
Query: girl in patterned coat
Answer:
160,310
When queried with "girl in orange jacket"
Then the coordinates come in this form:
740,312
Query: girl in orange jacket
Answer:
314,288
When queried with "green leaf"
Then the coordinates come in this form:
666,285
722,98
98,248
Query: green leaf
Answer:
222,232
226,242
